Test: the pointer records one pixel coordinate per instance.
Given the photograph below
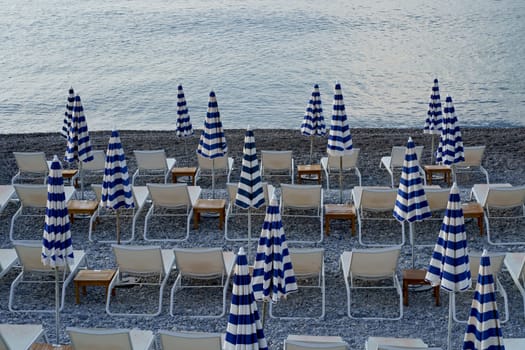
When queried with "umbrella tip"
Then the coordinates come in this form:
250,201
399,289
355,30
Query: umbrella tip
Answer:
212,93
436,80
485,252
316,86
241,251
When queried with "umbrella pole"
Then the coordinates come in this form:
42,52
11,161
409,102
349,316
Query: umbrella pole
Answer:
311,147
341,180
411,233
57,307
249,233
432,149
450,301
213,178
118,226
81,179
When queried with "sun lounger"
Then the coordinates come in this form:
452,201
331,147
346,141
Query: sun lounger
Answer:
8,259
20,336
376,343
6,193
110,338
515,264
190,340
311,342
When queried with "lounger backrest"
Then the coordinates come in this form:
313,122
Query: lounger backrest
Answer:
138,259
374,263
307,261
473,156
301,196
219,163
200,262
169,195
378,199
32,162
98,163
505,197
98,191
151,160
398,155
190,340
276,160
496,263
302,345
92,339
140,195
32,196
349,160
30,254
437,199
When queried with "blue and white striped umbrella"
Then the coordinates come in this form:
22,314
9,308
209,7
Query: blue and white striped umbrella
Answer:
273,275
184,127
116,187
449,265
57,246
313,120
244,330
434,121
450,149
411,201
339,137
68,115
483,329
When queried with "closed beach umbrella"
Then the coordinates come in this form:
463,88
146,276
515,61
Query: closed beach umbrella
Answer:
433,123
250,192
449,265
212,143
339,137
116,187
411,201
184,127
483,329
244,330
273,275
78,142
68,115
450,149
313,120
57,247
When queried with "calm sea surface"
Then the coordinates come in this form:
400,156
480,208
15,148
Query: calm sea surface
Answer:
261,57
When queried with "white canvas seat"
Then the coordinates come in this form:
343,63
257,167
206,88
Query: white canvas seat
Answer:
204,264
371,265
396,158
33,201
110,338
376,204
8,258
31,166
501,202
277,163
144,266
152,163
29,255
473,157
496,264
171,200
20,336
303,202
515,264
6,194
190,340
378,343
332,165
220,166
308,266
140,198
313,342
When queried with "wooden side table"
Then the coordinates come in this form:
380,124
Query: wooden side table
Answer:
209,206
430,170
68,174
309,170
85,278
474,210
338,212
416,277
81,207
187,171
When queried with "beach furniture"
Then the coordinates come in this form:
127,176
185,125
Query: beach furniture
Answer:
152,164
333,165
140,266
8,258
6,193
20,336
394,161
34,272
33,200
514,343
140,197
314,342
308,266
95,168
378,268
305,202
277,164
204,264
171,200
473,157
515,264
390,343
32,166
190,340
437,199
376,204
219,166
110,338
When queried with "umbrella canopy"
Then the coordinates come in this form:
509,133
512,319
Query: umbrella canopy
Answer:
184,127
450,149
434,121
483,330
68,115
273,275
244,330
411,201
449,265
313,120
116,188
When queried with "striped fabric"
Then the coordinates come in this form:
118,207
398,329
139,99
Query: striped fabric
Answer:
249,192
116,188
433,123
450,149
78,143
57,247
339,137
273,275
483,329
244,330
411,202
313,121
212,143
68,115
184,127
